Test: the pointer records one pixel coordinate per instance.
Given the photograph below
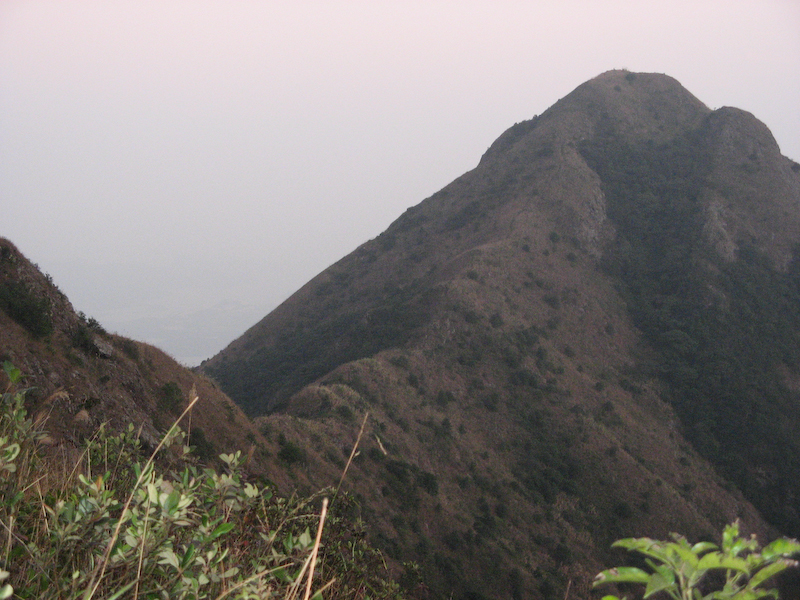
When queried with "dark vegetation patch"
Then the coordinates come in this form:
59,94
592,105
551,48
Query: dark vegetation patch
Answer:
21,304
263,382
202,447
719,353
290,452
170,398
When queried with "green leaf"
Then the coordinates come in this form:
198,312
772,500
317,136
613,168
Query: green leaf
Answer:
686,554
649,547
10,451
750,595
188,556
282,576
781,547
637,544
767,572
703,547
168,557
729,534
171,502
658,583
222,529
665,571
12,372
119,592
305,540
715,560
621,575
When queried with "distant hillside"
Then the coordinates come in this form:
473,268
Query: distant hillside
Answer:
592,334
83,418
83,376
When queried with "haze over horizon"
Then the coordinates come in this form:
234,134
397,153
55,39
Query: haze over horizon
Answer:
180,168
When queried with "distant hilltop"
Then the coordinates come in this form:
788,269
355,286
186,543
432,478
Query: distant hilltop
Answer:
593,334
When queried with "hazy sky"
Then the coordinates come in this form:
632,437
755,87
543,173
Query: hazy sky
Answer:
182,167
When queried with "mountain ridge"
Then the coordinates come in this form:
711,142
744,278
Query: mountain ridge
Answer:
82,377
555,331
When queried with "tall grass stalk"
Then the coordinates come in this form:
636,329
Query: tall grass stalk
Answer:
353,453
95,582
315,550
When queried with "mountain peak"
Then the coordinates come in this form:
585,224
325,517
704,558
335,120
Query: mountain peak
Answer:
596,326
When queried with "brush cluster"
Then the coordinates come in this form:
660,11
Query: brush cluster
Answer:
118,524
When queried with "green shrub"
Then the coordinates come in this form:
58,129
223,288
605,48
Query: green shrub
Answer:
524,377
22,305
129,347
290,453
491,401
345,413
171,398
444,397
117,525
428,482
681,570
81,338
552,301
400,361
200,446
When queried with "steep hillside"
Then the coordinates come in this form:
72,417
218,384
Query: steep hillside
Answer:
592,334
83,377
90,509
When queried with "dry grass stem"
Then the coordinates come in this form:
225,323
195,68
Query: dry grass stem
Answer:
315,551
97,576
352,455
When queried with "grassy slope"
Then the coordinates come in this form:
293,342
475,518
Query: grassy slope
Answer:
526,391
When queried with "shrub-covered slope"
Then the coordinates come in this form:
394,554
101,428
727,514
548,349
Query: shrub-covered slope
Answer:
590,335
82,376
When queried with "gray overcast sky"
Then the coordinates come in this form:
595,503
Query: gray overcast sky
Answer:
182,167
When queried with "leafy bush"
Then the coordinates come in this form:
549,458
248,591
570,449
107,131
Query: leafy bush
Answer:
199,444
117,525
678,568
496,320
444,397
428,482
81,338
291,453
22,305
171,398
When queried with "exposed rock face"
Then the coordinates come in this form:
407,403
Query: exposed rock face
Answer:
559,348
752,189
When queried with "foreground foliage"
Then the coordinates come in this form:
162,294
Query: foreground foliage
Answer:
120,526
680,570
